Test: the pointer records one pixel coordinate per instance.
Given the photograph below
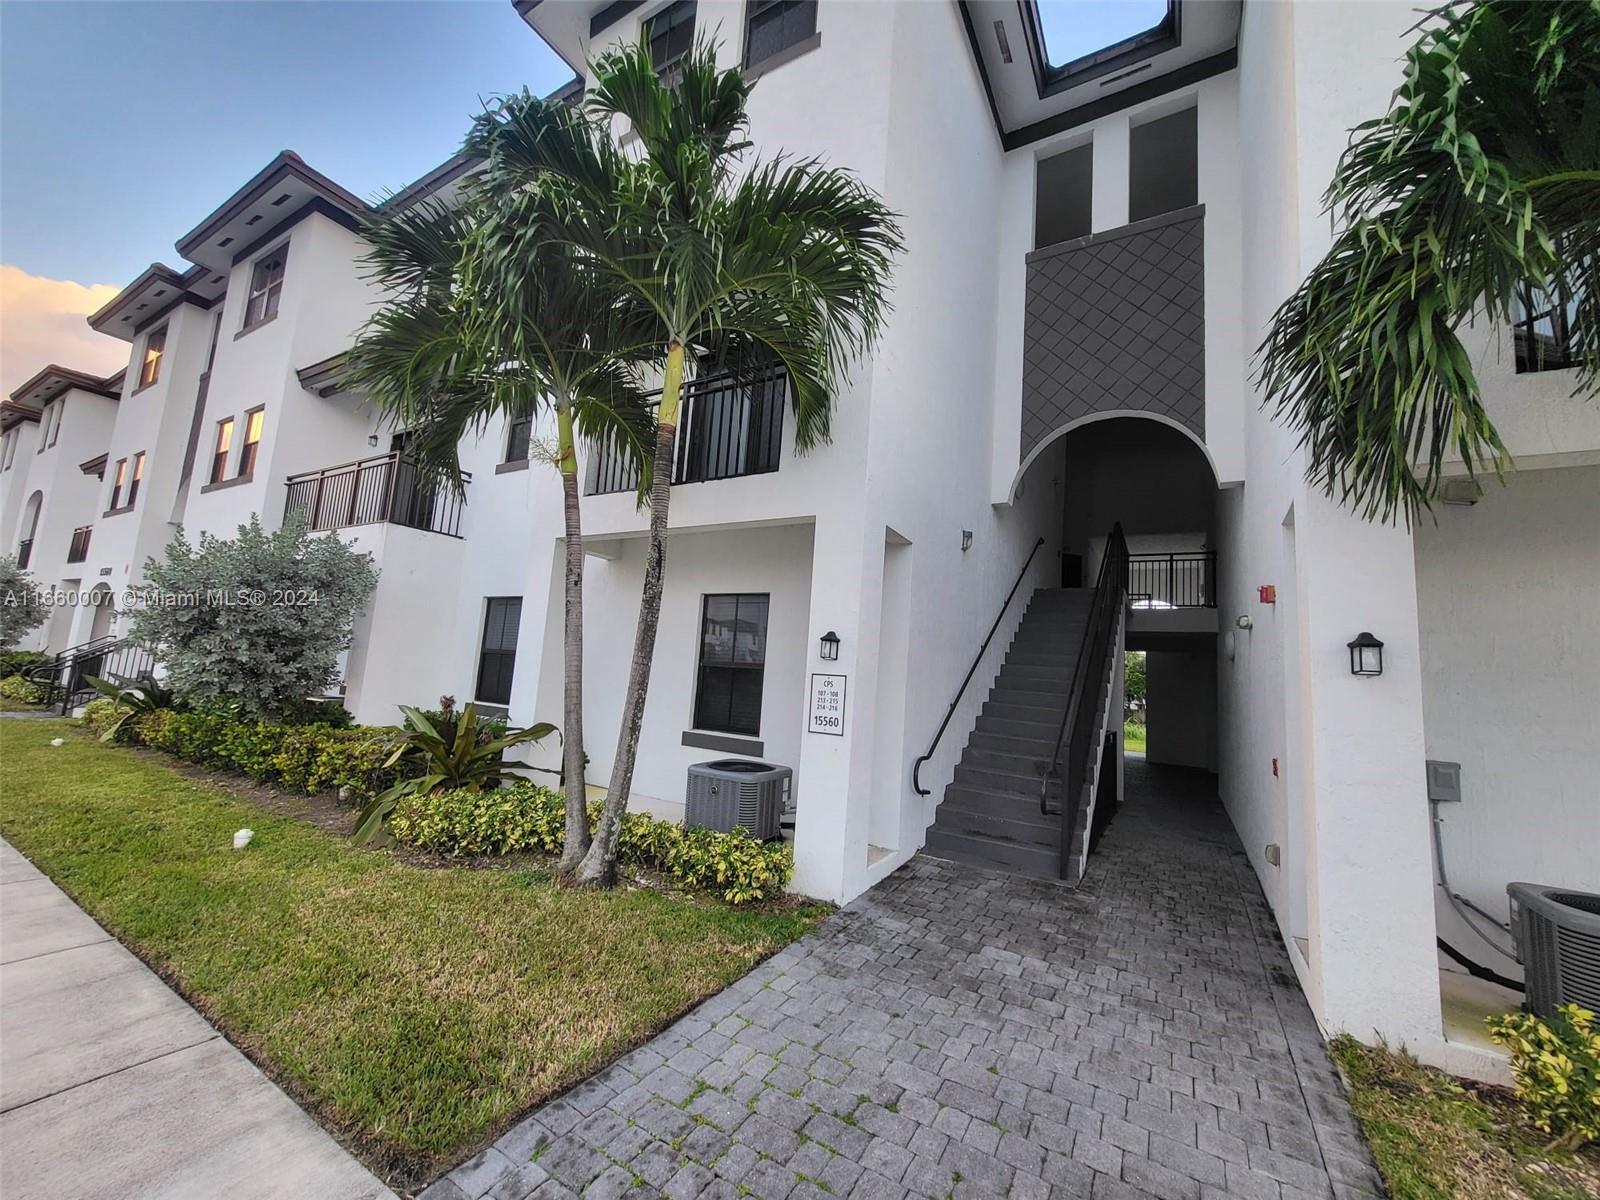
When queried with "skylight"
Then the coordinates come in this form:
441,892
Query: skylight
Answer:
1077,29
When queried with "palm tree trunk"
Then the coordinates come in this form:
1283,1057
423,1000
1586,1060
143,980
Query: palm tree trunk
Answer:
600,864
572,757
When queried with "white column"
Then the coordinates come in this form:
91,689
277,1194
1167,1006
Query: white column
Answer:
1108,208
1371,923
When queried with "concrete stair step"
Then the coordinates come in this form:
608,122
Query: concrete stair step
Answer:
969,798
1015,857
1020,727
1033,679
1033,714
1040,832
1031,748
1030,763
1003,782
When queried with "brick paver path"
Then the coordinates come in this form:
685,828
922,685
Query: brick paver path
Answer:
956,1032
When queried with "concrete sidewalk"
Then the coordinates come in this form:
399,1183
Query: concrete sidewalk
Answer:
112,1086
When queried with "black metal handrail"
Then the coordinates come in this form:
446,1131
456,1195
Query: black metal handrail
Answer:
65,677
916,767
385,488
727,428
1181,579
1077,723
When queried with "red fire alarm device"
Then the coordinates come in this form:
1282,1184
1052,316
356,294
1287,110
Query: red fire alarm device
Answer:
1268,593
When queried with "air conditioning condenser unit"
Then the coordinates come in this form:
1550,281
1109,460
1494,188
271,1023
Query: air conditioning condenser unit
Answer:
1557,932
737,793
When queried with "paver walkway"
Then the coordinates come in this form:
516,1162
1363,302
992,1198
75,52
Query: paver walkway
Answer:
960,1033
111,1086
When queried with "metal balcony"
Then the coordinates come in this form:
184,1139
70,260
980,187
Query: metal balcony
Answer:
387,488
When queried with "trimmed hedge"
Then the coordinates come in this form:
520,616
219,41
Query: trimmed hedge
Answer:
526,816
21,691
306,758
14,662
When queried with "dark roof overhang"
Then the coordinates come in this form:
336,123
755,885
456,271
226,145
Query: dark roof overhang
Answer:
325,378
55,380
279,193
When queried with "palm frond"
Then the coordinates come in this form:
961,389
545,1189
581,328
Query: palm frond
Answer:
1483,178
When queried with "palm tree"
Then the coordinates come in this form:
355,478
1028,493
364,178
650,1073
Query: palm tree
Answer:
741,266
465,338
1482,181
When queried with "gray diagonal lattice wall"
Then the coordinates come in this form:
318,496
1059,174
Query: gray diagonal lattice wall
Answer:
1116,321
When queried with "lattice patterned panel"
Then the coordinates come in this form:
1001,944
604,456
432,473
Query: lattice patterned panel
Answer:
1117,322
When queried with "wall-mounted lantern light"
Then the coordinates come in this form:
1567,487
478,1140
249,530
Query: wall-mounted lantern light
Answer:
830,647
966,540
1366,655
372,439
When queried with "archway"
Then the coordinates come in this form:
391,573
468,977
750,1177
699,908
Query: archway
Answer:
105,612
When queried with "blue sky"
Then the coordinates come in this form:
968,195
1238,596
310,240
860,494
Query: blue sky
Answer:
1074,28
123,124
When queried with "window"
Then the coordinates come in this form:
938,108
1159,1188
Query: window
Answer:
219,457
733,659
502,615
55,425
138,475
266,286
253,421
1163,168
45,415
518,435
670,34
155,346
1079,40
1062,190
774,25
1543,329
10,448
117,480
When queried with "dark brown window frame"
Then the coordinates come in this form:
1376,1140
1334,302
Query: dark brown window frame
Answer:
756,10
150,368
663,25
504,659
724,722
249,450
135,478
118,477
219,452
271,293
518,430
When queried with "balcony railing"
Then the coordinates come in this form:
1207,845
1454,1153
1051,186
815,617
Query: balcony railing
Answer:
387,488
24,553
79,549
725,429
1186,579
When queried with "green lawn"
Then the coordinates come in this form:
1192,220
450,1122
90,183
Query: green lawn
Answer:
1433,1139
414,1011
1133,736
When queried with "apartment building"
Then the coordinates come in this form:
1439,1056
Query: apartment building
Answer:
1094,249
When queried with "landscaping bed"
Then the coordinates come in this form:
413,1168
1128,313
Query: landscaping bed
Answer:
415,1012
1437,1138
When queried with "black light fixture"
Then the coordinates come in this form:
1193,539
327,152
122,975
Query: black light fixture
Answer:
1366,655
830,647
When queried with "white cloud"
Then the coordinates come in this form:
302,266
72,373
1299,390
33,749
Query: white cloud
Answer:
42,322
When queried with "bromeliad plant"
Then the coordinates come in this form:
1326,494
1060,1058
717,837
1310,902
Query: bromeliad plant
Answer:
132,700
465,758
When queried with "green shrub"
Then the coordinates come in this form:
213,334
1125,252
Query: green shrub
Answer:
302,758
21,691
1556,1066
13,662
526,817
100,715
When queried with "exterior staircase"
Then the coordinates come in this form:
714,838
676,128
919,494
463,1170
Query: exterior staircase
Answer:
990,815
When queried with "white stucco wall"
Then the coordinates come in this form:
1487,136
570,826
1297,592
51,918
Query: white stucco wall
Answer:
1510,661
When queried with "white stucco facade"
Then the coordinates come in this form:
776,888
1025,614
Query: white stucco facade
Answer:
905,535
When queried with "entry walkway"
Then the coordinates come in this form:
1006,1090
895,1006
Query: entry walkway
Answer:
960,1032
111,1086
